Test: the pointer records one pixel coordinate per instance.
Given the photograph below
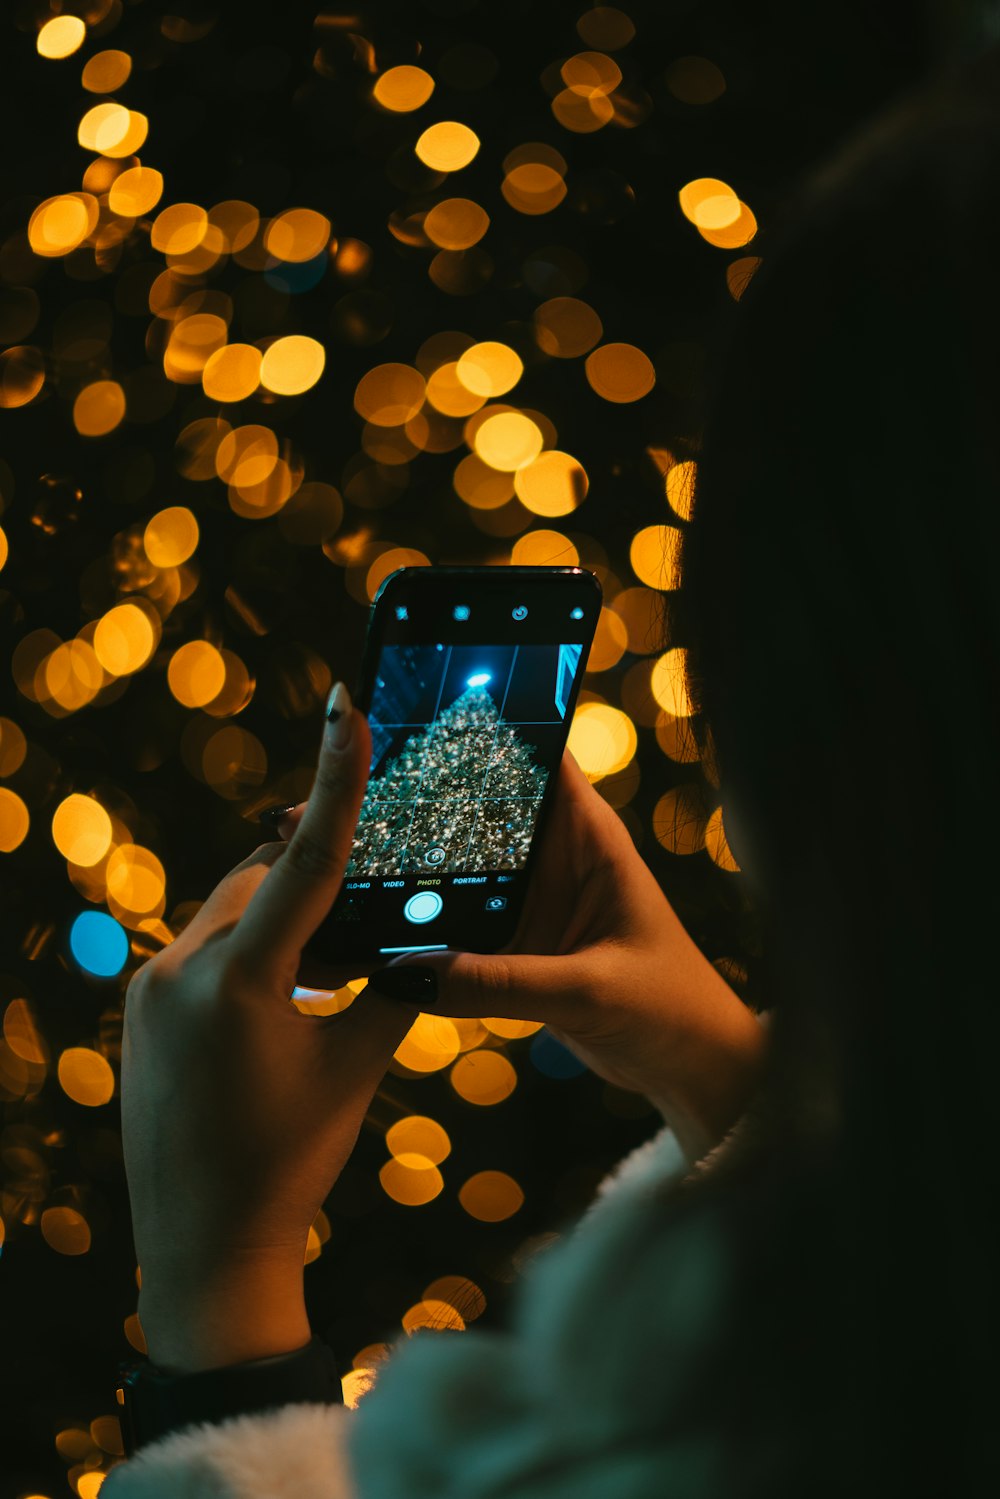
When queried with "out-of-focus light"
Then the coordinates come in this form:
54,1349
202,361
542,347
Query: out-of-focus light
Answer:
483,1077
58,225
583,110
717,843
565,327
99,408
81,830
478,679
605,26
390,394
739,274
292,364
98,943
106,71
655,556
610,641
13,747
403,88
196,673
602,739
489,369
179,228
431,1043
533,188
61,36
171,536
695,80
85,1075
669,684
418,1135
591,72
432,1313
554,483
456,224
679,485
136,880
544,548
733,235
711,196
297,235
508,441
67,1232
491,1196
124,639
679,820
14,820
411,1182
22,375
447,146
620,372
135,191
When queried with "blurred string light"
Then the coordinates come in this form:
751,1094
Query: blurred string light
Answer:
225,380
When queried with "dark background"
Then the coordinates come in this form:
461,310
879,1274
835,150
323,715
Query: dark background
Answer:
240,110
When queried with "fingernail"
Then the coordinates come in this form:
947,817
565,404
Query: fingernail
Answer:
339,717
271,816
416,985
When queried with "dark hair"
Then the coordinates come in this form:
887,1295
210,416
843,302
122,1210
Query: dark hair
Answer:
840,581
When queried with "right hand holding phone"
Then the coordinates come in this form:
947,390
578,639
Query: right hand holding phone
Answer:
601,957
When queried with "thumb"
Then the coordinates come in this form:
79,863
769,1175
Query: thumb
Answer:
300,888
519,986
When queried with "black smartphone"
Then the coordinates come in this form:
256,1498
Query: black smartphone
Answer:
469,680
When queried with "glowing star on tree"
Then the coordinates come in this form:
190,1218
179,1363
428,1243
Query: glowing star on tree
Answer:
467,783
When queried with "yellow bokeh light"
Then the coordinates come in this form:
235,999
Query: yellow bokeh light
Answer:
679,820
124,639
565,327
196,673
717,843
22,375
679,484
193,341
390,394
247,455
610,641
582,110
61,36
67,1232
14,820
676,739
456,223
489,369
620,372
411,1185
136,881
668,683
459,1292
512,1030
13,747
356,1384
480,486
60,224
171,536
655,556
594,71
483,1077
86,1076
179,228
135,191
292,364
298,234
508,441
555,483
73,675
733,235
533,188
418,1135
447,146
447,393
739,274
432,1042
433,1313
543,548
708,191
387,562
99,408
403,88
81,830
491,1196
21,1032
106,71
4,547
602,739
112,130
237,221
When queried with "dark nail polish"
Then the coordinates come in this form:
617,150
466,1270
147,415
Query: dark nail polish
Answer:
416,985
271,816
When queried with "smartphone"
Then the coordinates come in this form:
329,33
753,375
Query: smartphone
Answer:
469,679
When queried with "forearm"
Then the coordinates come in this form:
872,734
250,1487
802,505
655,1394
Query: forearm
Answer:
227,1313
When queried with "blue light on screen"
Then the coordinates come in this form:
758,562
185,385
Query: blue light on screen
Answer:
99,944
478,680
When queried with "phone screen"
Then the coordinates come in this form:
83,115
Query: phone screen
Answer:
469,684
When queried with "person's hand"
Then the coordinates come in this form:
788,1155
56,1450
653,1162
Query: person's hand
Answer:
238,1110
600,956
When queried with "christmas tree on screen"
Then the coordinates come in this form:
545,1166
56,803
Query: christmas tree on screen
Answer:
462,795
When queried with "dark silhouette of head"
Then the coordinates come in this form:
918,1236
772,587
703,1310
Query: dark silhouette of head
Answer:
842,613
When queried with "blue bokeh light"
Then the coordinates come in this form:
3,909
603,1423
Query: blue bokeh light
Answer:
553,1059
479,679
99,944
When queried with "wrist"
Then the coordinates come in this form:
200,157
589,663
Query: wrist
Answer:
224,1316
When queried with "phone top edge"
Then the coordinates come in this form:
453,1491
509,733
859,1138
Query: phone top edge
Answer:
479,570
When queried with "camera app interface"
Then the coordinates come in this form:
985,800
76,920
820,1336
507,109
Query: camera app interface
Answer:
464,738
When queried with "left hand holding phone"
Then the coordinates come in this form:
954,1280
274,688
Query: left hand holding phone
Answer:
238,1110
